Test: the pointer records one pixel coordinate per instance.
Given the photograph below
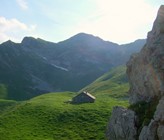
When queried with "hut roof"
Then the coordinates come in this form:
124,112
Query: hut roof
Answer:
88,94
83,97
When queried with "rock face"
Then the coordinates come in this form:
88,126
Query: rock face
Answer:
122,124
146,69
146,77
155,129
149,132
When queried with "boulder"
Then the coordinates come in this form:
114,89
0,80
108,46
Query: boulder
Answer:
122,125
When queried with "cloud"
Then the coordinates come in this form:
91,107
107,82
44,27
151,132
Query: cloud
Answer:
6,24
23,4
14,29
119,21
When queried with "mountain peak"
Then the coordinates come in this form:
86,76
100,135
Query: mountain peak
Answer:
87,39
28,40
8,43
37,42
84,37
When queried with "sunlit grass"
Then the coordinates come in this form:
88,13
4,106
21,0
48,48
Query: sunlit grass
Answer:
112,84
49,117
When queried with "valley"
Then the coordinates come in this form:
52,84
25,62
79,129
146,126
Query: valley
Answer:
60,71
51,117
81,70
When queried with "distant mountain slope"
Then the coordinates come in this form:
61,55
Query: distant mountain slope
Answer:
25,74
134,47
113,83
35,66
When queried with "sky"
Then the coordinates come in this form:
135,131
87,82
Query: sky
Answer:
119,21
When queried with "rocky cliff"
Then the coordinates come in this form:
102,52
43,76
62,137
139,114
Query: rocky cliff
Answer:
146,77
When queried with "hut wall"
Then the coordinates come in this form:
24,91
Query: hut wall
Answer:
83,98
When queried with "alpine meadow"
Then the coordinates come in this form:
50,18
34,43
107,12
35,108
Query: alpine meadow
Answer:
82,70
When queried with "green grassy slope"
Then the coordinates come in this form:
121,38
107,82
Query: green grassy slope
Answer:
49,117
6,105
113,84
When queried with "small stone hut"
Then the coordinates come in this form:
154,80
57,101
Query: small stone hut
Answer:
83,97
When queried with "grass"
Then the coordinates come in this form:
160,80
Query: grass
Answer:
51,117
48,117
6,105
112,84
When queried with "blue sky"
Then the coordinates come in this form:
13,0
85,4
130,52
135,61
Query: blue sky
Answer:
119,21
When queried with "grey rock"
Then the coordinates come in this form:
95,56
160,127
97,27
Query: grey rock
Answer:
143,133
159,113
145,69
149,132
146,77
122,125
160,132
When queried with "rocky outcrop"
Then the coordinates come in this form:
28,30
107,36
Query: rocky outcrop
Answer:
146,77
159,114
155,129
122,124
146,69
149,132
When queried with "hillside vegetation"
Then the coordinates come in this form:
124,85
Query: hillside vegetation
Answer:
113,84
51,117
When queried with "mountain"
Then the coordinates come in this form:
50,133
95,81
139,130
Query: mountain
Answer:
131,48
25,74
35,66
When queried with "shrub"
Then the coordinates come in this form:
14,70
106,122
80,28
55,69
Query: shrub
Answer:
144,111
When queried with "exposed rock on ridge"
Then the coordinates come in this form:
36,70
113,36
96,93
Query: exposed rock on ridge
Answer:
146,76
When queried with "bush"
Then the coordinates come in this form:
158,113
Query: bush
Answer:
144,111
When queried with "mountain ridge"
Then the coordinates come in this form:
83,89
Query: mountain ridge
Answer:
65,66
76,35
